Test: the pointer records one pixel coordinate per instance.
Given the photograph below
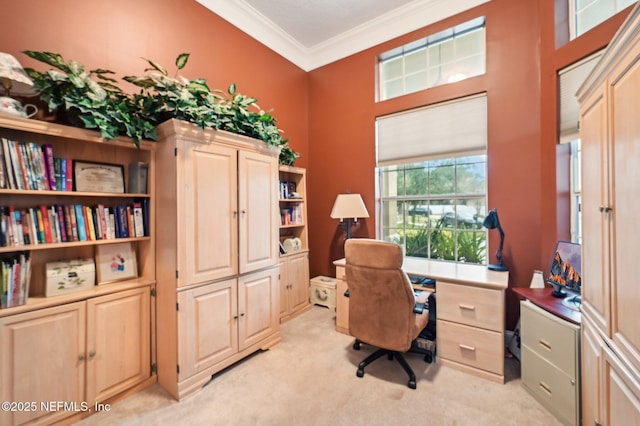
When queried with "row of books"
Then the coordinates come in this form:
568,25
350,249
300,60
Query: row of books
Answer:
14,280
72,222
291,215
27,165
287,190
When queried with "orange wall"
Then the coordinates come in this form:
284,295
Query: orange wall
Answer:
116,34
328,114
520,86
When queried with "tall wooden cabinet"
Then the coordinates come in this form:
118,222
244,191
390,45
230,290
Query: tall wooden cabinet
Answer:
610,134
218,287
89,346
294,263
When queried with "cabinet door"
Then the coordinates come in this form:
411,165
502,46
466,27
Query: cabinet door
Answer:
594,195
258,310
207,326
592,374
622,391
41,360
207,213
258,203
118,342
298,281
625,180
284,287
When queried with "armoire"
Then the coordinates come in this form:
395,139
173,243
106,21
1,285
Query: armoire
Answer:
610,138
217,251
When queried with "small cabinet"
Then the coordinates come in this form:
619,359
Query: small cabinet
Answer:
82,353
294,285
551,361
218,321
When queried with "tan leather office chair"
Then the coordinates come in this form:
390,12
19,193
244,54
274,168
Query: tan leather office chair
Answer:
382,304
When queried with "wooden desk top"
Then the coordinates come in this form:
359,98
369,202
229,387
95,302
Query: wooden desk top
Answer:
451,272
542,297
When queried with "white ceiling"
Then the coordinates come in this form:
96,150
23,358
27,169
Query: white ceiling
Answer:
313,33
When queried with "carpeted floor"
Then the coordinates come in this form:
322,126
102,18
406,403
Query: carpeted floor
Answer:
310,379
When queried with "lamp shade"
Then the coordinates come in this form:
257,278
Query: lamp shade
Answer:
14,79
349,206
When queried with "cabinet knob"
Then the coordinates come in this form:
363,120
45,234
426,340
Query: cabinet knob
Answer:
605,209
92,354
81,357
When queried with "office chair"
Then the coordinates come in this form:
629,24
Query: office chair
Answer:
382,306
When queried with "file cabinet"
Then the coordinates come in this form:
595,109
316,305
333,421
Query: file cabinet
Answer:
550,356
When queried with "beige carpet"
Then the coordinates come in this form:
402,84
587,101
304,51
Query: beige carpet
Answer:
310,379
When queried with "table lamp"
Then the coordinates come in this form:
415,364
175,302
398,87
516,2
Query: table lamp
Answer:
14,79
348,208
492,222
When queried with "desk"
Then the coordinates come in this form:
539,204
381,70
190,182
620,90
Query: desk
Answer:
470,313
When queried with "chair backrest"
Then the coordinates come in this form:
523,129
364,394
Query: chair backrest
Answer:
381,299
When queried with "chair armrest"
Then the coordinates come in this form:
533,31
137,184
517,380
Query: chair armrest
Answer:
419,308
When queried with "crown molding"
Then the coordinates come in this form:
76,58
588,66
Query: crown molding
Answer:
400,21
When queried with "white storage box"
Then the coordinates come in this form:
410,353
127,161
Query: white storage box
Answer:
323,291
70,276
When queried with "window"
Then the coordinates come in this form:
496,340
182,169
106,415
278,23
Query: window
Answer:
446,57
432,180
570,80
587,14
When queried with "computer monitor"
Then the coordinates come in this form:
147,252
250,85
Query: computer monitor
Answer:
565,269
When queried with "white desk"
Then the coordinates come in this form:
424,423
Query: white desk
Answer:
470,313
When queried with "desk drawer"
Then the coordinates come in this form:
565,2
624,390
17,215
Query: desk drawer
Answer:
550,385
552,338
479,307
471,346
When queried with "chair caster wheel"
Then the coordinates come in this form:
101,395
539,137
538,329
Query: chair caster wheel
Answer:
412,384
428,358
356,345
360,373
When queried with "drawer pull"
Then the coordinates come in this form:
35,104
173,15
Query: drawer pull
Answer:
545,388
469,348
545,345
467,307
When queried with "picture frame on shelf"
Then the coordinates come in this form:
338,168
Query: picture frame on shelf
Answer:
89,176
115,262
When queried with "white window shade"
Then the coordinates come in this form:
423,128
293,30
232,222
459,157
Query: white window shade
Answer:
439,130
570,80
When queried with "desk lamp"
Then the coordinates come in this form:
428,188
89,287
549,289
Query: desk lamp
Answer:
14,79
492,222
348,207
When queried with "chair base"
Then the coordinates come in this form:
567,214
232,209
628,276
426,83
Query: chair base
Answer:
390,355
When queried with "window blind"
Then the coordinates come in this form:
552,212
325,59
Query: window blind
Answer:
453,127
570,80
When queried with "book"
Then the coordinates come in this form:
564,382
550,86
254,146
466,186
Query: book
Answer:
82,230
16,221
53,221
138,222
73,224
8,166
26,227
63,174
41,233
33,219
88,218
47,151
17,174
62,225
69,175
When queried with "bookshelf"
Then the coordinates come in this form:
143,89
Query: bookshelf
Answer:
78,331
294,254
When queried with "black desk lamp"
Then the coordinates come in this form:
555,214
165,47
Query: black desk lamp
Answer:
492,222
